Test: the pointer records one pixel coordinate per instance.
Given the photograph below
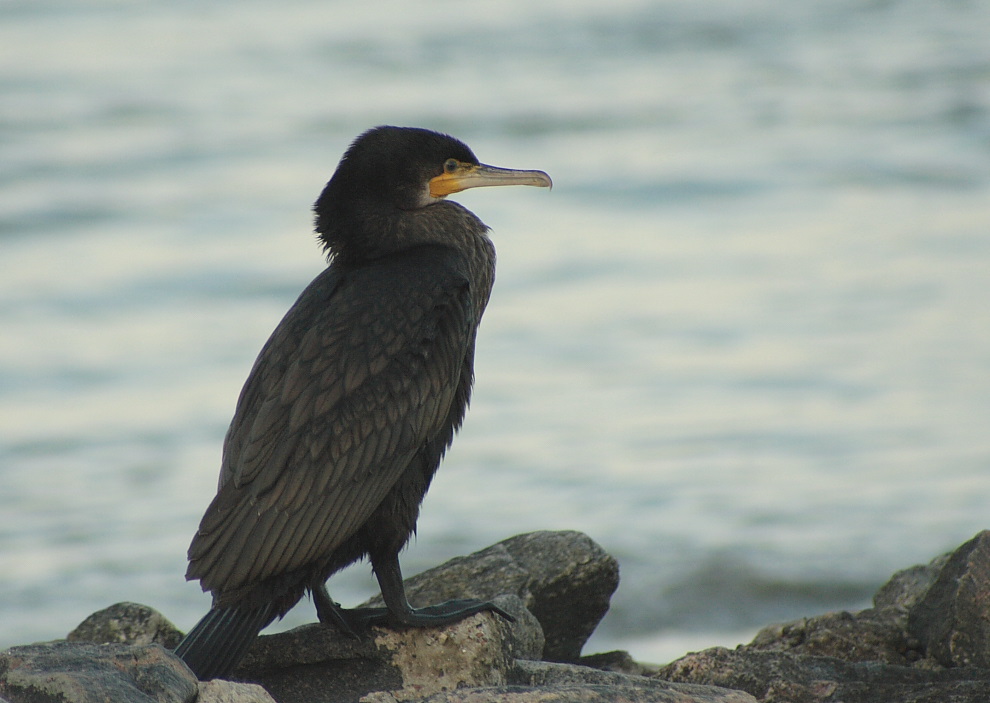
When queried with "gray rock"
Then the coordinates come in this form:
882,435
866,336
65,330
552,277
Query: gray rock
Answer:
952,619
780,677
127,623
564,578
315,663
303,646
70,672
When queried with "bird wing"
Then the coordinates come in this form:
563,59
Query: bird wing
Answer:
357,377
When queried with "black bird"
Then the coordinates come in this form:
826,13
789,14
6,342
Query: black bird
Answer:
353,400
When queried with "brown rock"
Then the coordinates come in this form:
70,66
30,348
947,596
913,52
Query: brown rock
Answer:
780,677
619,661
220,691
952,619
473,652
906,587
557,676
581,694
868,635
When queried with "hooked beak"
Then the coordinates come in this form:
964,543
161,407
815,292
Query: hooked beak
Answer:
461,176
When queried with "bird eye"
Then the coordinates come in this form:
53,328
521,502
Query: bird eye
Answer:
450,165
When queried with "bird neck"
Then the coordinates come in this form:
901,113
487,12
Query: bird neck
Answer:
376,232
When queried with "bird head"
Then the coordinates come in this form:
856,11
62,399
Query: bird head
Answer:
390,171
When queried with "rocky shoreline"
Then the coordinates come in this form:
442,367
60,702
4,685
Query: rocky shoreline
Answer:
926,639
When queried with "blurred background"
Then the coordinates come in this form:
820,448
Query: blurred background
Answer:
744,343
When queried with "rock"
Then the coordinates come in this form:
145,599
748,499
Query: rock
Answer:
564,578
870,655
869,635
577,694
70,672
303,646
876,654
219,691
873,655
466,654
952,619
554,675
315,663
481,658
906,587
127,623
618,661
780,677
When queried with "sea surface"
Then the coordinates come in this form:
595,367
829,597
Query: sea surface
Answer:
744,342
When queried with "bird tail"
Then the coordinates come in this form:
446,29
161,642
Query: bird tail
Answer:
218,642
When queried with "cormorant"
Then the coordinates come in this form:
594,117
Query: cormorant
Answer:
353,400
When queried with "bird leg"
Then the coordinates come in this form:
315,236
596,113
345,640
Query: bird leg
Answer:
349,621
399,612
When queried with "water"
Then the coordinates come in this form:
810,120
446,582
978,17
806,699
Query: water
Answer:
743,343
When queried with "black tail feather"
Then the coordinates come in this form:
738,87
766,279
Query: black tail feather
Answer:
218,642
